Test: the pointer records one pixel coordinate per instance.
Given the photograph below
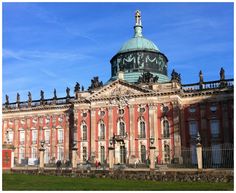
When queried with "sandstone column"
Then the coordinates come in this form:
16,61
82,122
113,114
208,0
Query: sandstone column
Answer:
74,158
111,157
199,156
41,156
152,158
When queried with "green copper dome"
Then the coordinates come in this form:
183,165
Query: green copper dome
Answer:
138,56
138,43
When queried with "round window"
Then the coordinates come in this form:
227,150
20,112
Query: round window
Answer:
121,111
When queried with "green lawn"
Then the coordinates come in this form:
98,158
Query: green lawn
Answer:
30,182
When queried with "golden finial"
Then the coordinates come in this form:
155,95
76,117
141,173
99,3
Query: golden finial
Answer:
138,17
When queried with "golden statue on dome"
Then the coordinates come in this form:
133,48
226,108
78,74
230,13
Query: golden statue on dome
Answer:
138,17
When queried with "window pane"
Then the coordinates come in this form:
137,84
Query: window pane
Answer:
166,129
60,135
10,134
102,131
215,131
47,135
22,136
84,132
34,135
122,128
142,129
193,128
143,153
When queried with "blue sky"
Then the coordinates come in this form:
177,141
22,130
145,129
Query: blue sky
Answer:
55,45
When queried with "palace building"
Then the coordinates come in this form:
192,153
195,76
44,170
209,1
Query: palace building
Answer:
138,107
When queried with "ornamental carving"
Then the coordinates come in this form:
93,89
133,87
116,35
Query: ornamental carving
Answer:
139,62
175,76
95,83
147,77
119,97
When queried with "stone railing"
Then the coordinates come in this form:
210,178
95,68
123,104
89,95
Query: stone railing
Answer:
227,83
36,103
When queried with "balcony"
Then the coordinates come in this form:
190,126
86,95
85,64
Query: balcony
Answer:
34,141
47,141
22,142
60,141
101,138
83,139
120,137
165,136
143,136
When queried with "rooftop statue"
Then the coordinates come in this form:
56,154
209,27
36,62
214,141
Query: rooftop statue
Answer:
7,99
200,76
222,74
55,93
29,97
42,95
77,87
67,92
137,17
17,97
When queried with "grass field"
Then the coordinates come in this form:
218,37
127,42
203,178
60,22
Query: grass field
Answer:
30,182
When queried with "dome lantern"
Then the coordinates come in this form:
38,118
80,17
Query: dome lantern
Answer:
138,25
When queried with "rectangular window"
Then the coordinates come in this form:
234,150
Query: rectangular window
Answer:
193,130
46,156
10,135
215,130
216,154
60,153
102,131
22,137
34,152
21,155
84,132
60,136
193,154
102,154
47,136
34,136
84,153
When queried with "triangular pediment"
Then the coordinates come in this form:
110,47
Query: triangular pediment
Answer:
118,88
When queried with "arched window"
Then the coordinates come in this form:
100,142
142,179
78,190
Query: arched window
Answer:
166,129
142,131
121,128
101,131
